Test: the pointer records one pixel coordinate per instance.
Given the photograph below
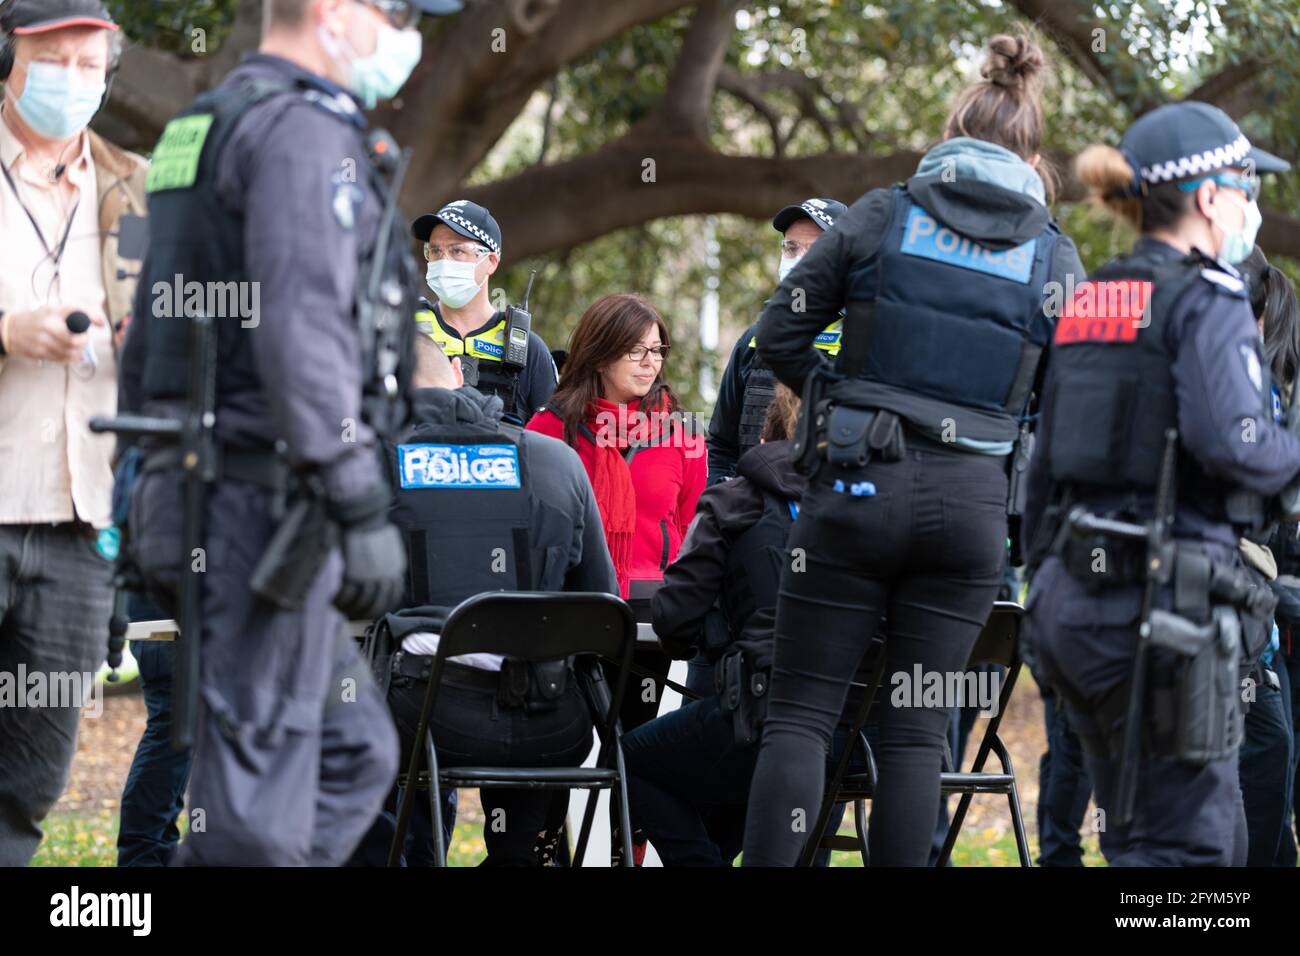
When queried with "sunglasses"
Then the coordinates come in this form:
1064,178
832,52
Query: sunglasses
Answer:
399,13
1248,185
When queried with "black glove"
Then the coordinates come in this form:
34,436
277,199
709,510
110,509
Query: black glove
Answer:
374,556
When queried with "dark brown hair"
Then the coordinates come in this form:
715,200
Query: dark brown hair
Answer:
1005,107
1273,300
782,421
607,331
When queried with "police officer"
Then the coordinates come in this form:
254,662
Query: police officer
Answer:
485,506
1158,340
942,280
462,246
266,186
747,382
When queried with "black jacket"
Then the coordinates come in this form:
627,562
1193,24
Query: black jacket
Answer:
567,539
992,216
703,576
724,426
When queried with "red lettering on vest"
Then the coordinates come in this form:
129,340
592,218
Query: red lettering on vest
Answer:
1105,311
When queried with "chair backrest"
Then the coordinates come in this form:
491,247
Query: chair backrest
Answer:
999,642
539,626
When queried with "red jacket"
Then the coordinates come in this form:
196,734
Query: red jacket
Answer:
668,479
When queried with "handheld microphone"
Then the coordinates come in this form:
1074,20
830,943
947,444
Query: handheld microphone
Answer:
78,322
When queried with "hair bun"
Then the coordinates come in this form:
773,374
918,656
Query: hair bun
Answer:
1013,61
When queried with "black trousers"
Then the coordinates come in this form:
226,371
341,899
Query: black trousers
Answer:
925,552
471,729
1184,814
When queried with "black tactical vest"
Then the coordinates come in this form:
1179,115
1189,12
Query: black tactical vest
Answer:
1113,393
463,505
938,327
197,244
760,389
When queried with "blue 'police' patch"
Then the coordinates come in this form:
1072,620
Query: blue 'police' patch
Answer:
923,236
490,347
492,467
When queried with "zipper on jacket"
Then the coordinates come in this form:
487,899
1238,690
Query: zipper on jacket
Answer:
663,561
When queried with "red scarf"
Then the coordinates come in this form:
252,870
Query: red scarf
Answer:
611,479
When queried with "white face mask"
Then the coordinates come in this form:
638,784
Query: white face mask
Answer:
380,75
55,104
784,268
1239,244
453,282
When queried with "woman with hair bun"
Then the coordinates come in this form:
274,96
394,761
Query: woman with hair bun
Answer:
942,282
1157,359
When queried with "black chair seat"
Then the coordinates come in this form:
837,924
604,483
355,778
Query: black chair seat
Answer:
530,778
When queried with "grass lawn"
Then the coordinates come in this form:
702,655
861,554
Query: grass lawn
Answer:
90,839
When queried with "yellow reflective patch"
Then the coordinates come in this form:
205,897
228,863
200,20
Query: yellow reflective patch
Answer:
175,162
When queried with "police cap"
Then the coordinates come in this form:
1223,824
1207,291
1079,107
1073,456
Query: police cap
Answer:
1181,140
465,218
823,212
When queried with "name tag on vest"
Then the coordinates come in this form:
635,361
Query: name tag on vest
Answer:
924,237
1105,311
492,467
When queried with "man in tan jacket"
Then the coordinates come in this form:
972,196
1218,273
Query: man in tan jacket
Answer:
65,195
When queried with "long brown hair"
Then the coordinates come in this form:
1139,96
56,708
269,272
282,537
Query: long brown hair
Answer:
782,421
610,328
1005,107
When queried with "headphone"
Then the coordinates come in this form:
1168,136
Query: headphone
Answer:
8,51
8,42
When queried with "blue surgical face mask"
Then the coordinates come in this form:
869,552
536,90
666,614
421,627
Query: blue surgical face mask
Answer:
380,75
785,267
55,103
453,282
1238,245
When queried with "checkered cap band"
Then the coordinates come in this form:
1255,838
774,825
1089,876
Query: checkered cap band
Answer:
818,215
1212,159
483,237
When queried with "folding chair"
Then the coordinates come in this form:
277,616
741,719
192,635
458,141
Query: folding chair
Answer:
998,643
535,627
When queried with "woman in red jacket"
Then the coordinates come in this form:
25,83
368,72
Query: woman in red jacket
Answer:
646,463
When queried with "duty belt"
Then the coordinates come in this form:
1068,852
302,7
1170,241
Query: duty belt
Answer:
1104,562
419,667
263,468
1198,580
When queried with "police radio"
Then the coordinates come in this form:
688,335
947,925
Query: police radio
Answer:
519,322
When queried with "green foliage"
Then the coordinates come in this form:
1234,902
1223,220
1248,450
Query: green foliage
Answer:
897,62
168,24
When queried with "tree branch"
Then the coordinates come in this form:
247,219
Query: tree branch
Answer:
550,208
152,86
684,109
744,89
1071,24
469,95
